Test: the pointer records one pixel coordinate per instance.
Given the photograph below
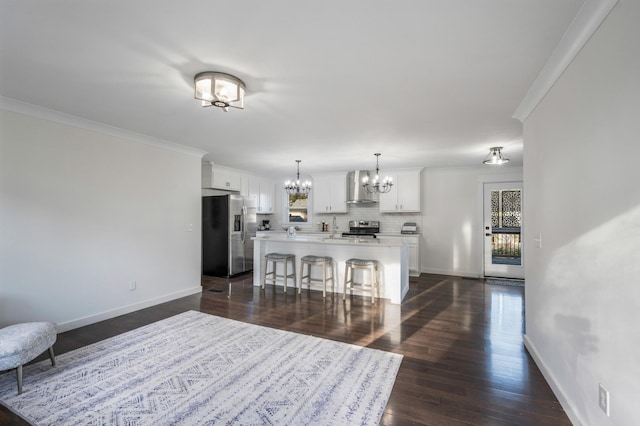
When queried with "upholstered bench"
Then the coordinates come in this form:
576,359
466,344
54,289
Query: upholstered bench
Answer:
21,343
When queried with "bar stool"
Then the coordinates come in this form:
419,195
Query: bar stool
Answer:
322,261
362,264
272,276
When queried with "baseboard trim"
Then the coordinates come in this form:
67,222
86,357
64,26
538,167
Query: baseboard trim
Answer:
91,319
553,383
450,272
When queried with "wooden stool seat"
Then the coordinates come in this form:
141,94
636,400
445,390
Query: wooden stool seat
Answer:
322,261
362,264
273,276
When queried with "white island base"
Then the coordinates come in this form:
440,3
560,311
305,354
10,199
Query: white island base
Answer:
393,259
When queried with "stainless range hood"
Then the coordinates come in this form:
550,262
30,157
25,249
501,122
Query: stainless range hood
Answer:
356,194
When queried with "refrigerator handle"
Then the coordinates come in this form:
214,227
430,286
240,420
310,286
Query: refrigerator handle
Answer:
243,219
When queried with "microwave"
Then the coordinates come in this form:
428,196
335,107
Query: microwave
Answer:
409,228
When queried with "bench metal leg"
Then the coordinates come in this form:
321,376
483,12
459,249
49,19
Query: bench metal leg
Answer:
52,356
19,374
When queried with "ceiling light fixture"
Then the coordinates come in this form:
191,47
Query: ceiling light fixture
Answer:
297,187
376,187
219,89
495,156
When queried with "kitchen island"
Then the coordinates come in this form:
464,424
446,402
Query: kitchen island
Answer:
393,258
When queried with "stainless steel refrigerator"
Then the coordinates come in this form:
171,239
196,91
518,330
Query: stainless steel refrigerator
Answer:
228,224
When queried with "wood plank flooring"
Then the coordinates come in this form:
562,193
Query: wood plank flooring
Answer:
464,360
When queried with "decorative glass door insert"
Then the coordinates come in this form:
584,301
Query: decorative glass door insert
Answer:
506,213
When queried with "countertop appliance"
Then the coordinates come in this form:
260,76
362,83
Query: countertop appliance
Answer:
362,229
228,224
409,228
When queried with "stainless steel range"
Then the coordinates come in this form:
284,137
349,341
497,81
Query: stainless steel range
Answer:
362,229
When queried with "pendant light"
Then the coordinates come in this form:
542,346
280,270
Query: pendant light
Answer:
376,186
295,186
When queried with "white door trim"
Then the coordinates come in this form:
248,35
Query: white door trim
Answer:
489,268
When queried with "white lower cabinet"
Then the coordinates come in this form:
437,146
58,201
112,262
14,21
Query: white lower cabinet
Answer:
413,243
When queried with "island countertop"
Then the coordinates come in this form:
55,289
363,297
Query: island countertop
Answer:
327,234
314,239
392,256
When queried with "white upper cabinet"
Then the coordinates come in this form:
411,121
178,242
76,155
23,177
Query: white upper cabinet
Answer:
330,193
263,190
220,177
405,193
245,181
267,194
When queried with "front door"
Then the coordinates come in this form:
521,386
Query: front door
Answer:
503,230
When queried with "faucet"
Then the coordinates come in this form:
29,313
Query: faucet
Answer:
333,227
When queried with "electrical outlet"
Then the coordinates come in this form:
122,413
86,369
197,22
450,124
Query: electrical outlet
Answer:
132,285
603,399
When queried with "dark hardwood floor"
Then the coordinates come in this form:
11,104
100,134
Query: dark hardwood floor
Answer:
464,360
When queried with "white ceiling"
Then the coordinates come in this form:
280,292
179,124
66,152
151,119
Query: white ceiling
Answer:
427,82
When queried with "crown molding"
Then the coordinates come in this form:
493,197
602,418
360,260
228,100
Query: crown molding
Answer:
20,107
584,24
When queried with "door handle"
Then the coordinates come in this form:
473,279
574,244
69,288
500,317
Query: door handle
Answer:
488,235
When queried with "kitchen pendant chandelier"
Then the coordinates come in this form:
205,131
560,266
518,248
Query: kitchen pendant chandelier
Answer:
495,156
376,186
295,186
219,89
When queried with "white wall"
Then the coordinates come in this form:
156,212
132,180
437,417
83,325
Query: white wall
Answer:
82,214
389,222
452,217
582,193
450,223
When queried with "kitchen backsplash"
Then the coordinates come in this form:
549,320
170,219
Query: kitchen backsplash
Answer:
389,223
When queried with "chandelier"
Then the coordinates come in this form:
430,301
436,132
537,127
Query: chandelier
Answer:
219,89
495,156
376,186
295,186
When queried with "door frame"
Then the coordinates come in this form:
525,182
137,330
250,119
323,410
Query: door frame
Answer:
503,271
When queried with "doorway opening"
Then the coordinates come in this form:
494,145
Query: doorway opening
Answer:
503,230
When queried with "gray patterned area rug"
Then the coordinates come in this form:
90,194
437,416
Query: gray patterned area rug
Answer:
199,369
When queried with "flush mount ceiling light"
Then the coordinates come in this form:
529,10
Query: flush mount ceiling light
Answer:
219,89
375,186
295,186
495,156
